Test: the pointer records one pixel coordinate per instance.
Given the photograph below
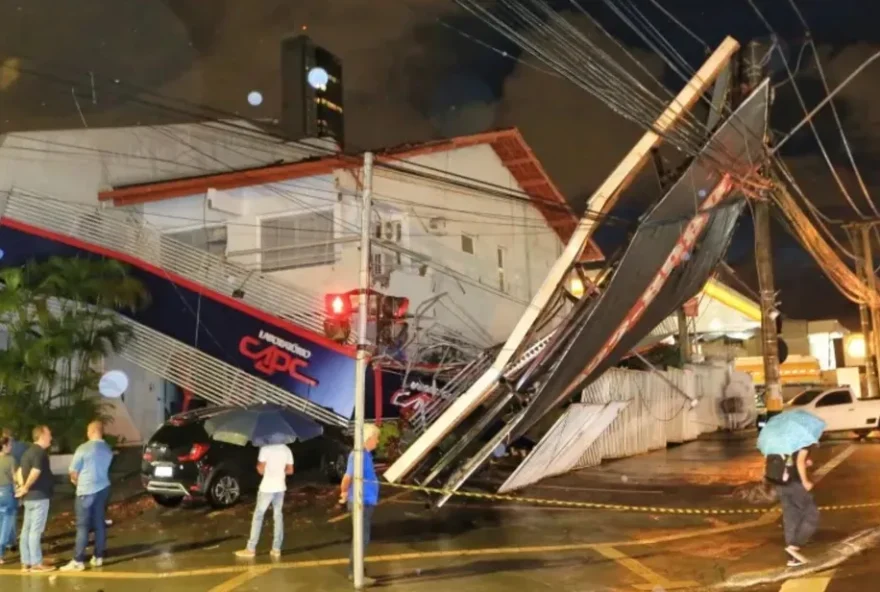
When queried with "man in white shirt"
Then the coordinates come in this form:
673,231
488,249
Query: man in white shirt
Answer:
275,463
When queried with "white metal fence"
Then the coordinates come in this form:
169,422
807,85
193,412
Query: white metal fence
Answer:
105,228
658,414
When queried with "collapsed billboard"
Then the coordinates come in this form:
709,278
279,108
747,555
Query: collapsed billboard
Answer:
671,256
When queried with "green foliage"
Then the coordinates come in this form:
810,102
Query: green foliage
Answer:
61,323
389,440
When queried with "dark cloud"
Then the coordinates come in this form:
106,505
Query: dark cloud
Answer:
410,78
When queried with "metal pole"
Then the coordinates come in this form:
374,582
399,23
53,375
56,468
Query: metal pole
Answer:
754,73
357,515
684,338
870,333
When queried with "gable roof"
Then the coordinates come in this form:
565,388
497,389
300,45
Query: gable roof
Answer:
508,145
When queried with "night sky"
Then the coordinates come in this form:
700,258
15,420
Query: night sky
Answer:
412,74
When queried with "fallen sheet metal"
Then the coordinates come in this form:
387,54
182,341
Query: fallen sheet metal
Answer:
560,449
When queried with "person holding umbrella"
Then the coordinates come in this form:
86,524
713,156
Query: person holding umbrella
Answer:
786,441
271,428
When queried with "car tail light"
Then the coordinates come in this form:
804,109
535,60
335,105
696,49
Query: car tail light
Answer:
195,453
148,456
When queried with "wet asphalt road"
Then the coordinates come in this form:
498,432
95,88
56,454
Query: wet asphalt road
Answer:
497,546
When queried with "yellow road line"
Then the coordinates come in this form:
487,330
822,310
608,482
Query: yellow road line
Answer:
9,72
387,500
812,584
764,519
242,578
655,580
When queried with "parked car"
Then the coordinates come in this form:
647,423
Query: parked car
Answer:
840,409
181,461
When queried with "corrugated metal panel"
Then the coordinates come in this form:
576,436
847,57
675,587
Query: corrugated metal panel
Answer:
561,448
658,413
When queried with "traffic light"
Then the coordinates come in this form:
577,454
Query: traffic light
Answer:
391,321
337,322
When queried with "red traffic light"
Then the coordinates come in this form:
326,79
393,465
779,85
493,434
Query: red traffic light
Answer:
337,306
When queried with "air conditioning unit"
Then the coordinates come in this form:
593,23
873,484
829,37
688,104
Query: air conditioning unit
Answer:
437,226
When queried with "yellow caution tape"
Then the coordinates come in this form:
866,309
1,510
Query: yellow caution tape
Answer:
613,507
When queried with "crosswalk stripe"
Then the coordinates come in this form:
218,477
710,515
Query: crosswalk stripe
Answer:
818,583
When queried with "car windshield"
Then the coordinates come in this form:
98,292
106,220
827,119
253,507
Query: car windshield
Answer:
806,397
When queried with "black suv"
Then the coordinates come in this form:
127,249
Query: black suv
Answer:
181,461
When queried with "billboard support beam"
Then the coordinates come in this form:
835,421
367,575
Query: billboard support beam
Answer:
601,201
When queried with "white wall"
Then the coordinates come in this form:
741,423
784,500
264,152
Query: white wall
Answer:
530,246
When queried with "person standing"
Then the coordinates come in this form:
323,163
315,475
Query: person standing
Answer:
274,463
18,449
800,516
371,491
8,503
36,490
90,473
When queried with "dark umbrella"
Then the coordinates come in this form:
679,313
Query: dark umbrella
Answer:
262,425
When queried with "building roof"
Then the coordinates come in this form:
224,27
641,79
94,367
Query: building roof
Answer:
508,144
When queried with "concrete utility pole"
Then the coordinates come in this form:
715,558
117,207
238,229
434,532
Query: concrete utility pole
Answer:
357,514
753,72
869,327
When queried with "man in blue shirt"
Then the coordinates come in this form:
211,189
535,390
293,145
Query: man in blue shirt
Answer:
90,472
371,490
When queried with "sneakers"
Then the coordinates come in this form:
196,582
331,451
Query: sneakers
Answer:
245,554
40,568
797,558
97,562
74,565
275,553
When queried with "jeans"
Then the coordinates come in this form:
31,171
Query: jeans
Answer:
800,516
8,512
368,523
90,512
36,513
264,500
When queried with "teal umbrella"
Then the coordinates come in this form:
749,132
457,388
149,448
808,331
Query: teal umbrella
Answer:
789,432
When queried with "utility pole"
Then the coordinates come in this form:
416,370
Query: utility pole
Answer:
754,72
357,514
869,328
684,338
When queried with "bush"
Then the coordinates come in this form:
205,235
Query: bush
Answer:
61,323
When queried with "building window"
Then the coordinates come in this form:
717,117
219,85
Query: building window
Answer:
300,240
502,284
467,244
211,238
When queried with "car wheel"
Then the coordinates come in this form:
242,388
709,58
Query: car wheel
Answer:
225,490
333,466
863,434
168,501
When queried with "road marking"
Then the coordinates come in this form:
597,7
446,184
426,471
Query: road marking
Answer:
763,520
242,578
812,584
386,500
9,72
832,464
655,580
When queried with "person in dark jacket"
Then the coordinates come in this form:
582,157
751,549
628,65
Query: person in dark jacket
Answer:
800,516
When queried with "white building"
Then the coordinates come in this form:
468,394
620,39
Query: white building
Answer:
471,226
473,251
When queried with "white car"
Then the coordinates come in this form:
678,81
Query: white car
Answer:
840,409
